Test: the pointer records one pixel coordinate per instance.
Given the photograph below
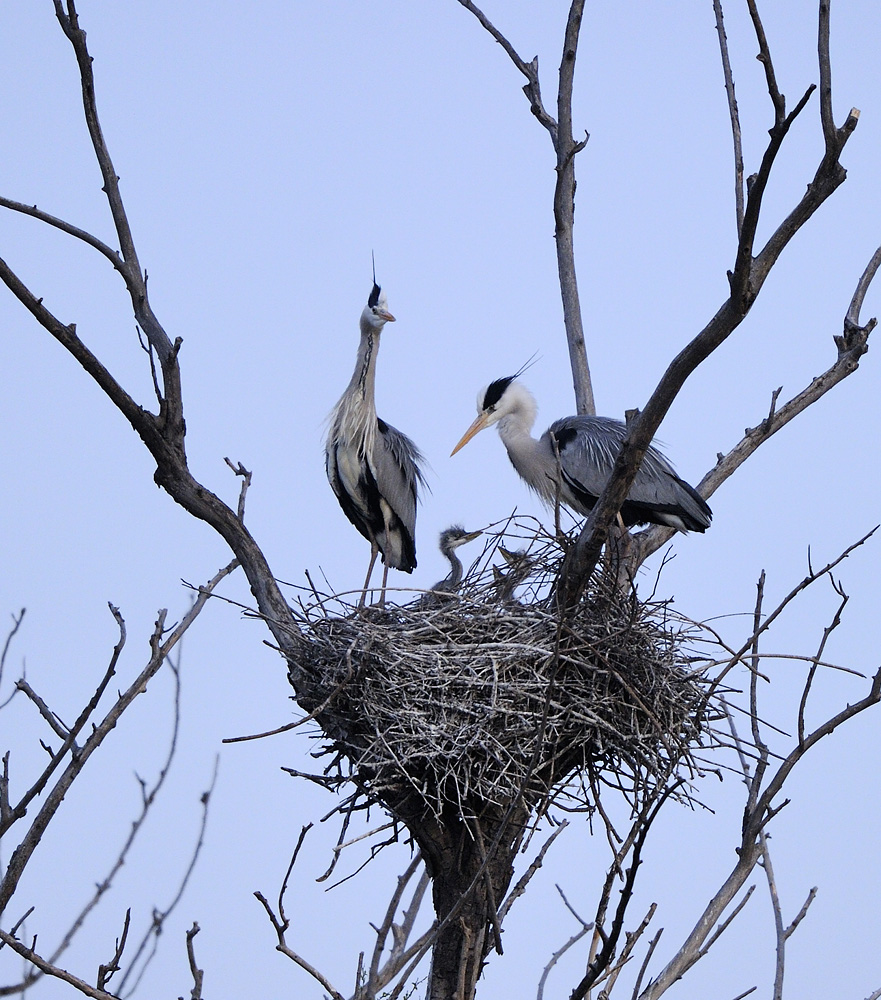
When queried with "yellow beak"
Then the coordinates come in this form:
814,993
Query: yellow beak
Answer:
478,425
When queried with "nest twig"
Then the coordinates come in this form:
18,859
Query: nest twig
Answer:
482,698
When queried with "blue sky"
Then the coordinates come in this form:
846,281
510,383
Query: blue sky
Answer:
264,155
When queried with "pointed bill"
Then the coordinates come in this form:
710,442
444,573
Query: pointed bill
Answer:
478,425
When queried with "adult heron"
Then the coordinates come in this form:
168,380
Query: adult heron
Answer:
574,458
373,468
450,540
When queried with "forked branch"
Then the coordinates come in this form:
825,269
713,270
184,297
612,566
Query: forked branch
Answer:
760,808
566,149
745,281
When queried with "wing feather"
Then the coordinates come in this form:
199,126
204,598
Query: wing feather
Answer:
395,469
588,447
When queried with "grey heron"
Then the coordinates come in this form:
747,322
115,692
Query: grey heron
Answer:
575,456
373,468
520,566
450,540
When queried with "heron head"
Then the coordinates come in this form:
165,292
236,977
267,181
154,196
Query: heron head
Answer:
376,313
497,400
454,536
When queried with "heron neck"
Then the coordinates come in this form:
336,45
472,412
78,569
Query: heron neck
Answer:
522,447
515,430
364,377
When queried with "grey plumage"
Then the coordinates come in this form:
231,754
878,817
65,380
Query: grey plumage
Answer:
450,539
519,567
372,467
587,448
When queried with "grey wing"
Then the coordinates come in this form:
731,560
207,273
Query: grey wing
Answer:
395,467
588,447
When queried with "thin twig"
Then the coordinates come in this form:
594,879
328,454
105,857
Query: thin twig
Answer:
733,115
197,973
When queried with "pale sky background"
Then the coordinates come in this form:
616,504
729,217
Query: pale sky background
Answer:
265,150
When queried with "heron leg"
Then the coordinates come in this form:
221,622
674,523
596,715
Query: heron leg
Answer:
374,552
384,581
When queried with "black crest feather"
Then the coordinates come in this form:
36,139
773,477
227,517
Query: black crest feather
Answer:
495,390
374,295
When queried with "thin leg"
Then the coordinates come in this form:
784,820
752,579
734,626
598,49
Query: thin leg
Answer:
374,551
384,581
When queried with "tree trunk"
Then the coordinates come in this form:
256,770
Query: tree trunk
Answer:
471,866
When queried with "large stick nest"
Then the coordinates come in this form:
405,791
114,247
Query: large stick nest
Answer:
487,696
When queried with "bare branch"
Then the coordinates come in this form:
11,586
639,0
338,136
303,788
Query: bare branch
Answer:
51,970
106,972
645,963
65,227
830,628
141,420
564,216
749,852
746,281
781,933
388,922
20,809
524,880
558,954
148,799
830,133
802,913
21,855
634,842
733,114
806,582
157,924
240,470
10,635
164,433
754,782
852,319
49,717
763,806
631,939
851,346
764,57
566,149
281,924
197,973
528,69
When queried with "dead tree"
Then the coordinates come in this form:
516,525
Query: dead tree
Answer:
468,832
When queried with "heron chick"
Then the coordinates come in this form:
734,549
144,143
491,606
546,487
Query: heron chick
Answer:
373,468
450,540
520,565
575,456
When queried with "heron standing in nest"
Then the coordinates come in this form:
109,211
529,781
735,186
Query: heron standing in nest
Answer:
372,467
573,459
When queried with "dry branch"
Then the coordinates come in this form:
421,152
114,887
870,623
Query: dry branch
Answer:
746,279
566,148
161,648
